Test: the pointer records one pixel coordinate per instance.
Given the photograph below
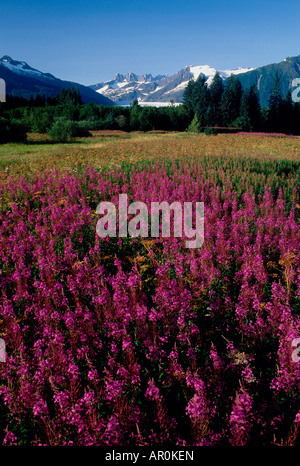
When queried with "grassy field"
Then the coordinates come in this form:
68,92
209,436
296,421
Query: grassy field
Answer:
108,148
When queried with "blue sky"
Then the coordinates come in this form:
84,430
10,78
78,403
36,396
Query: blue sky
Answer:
90,41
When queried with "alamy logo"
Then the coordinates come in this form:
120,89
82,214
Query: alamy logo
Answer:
2,90
2,350
295,353
296,92
138,225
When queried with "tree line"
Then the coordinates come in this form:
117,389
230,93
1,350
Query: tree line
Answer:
205,108
228,105
65,116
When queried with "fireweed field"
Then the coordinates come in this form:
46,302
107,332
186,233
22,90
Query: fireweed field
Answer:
141,341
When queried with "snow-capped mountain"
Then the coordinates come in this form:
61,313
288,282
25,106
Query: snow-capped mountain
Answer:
24,81
159,90
22,68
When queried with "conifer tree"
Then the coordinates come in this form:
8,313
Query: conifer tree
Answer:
243,121
250,113
215,98
231,100
254,108
288,114
188,96
275,105
194,127
201,99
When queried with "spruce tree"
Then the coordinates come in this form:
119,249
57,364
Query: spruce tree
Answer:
231,100
275,106
243,121
194,127
250,113
201,100
288,114
188,96
254,109
215,98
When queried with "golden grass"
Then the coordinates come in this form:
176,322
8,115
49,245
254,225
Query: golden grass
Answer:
108,148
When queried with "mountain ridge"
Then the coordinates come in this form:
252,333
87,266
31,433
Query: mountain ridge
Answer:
168,89
162,88
24,81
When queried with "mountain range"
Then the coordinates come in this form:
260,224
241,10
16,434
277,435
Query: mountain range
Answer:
22,80
157,90
163,89
263,77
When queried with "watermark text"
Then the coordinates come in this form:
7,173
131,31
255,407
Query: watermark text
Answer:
2,350
2,90
138,225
